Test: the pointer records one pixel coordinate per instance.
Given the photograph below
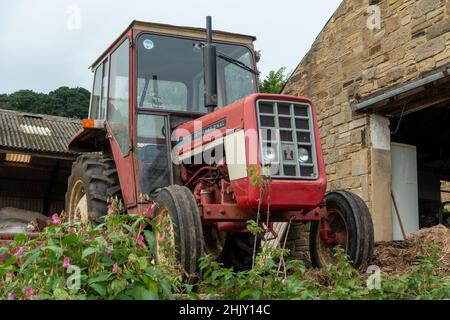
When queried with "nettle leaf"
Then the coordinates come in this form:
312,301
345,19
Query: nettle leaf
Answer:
9,262
107,261
119,285
245,293
20,238
151,241
99,288
133,257
127,227
60,294
59,251
3,251
136,223
143,263
58,282
69,239
87,252
99,277
166,287
141,293
31,259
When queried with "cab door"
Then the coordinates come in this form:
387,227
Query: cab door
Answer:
119,118
153,162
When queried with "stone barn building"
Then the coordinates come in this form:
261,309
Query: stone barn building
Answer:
379,73
34,161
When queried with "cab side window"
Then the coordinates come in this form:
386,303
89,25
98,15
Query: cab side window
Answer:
119,96
99,92
96,94
102,113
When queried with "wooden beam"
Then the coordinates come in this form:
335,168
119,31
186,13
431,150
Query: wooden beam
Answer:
420,105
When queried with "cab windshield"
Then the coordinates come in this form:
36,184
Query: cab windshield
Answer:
170,74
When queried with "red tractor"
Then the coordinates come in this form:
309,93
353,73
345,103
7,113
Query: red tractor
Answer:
176,121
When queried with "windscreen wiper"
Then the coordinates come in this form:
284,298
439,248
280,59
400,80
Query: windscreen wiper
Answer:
236,62
229,59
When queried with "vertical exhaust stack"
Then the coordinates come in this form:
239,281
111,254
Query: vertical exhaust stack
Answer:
210,69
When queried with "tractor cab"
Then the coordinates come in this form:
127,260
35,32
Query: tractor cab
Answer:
146,84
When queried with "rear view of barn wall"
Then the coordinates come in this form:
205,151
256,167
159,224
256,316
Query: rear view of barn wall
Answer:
366,47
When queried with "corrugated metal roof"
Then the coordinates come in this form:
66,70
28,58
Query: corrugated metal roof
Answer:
27,132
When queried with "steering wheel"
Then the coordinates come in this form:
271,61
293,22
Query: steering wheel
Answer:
163,131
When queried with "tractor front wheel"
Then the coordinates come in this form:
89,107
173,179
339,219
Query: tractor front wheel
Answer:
92,181
349,226
179,237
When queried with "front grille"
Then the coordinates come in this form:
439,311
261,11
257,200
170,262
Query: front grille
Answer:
284,128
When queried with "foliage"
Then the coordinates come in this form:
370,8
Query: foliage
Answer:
111,261
338,282
117,260
422,283
64,102
274,81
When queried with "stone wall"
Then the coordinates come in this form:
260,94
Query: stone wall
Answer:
352,58
445,185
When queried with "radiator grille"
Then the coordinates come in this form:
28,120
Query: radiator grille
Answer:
286,135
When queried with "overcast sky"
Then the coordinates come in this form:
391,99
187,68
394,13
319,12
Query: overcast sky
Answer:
42,46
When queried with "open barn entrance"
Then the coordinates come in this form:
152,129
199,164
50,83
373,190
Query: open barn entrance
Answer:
428,130
419,115
34,167
33,183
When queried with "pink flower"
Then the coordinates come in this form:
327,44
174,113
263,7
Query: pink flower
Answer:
162,238
140,240
149,213
109,250
71,230
11,295
55,219
91,238
116,269
110,209
19,251
29,292
66,263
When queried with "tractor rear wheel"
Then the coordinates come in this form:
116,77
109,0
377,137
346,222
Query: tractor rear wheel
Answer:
179,236
92,181
351,228
237,251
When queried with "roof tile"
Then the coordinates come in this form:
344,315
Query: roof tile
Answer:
38,133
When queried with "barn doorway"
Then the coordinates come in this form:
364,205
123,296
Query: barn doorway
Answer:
428,130
418,113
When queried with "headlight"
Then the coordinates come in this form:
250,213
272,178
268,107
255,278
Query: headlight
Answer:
269,154
303,155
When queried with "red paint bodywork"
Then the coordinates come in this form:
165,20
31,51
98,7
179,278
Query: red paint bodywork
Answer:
285,194
301,200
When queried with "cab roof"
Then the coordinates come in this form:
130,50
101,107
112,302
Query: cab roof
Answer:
138,26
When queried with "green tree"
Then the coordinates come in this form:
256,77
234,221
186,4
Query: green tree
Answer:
64,101
274,81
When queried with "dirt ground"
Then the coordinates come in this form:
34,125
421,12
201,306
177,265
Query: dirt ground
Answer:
400,256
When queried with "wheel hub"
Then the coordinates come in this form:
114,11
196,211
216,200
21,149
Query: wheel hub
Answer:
333,231
78,206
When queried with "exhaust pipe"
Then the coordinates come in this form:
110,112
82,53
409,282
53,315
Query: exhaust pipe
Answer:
210,68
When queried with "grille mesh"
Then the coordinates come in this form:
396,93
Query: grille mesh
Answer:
284,127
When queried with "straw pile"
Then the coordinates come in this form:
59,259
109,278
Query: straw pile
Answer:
398,257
